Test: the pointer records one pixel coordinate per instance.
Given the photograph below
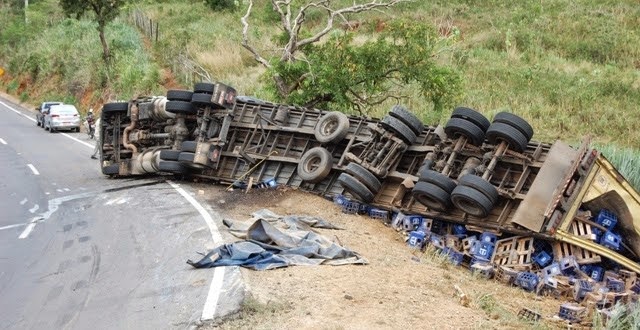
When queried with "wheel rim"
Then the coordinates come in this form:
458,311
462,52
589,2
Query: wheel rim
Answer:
312,164
329,126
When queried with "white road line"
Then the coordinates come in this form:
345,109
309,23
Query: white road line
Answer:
29,228
22,202
34,208
3,141
33,169
210,305
33,120
13,226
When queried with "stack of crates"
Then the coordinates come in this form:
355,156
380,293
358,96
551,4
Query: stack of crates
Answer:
608,238
482,249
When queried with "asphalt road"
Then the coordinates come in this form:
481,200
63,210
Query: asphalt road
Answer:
79,250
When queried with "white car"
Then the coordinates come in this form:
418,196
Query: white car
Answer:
62,117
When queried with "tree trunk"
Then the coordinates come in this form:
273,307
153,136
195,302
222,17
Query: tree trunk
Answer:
105,47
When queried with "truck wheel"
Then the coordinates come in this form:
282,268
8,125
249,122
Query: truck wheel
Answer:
431,196
315,165
481,185
189,146
204,88
504,132
167,154
515,122
364,176
332,127
202,99
172,167
471,201
179,95
115,107
444,182
399,128
356,188
408,118
180,107
186,158
112,169
473,116
457,127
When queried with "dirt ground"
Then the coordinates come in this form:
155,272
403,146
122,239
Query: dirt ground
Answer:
399,288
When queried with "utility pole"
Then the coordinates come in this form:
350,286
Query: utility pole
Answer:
26,5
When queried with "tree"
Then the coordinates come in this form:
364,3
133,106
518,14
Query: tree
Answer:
104,11
340,73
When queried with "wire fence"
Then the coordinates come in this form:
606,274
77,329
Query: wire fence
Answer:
145,24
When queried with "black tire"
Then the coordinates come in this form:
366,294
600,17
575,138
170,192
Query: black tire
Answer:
186,158
356,188
207,88
446,183
172,167
180,107
51,130
471,201
201,99
515,122
473,116
399,128
112,169
498,132
37,122
461,127
115,107
167,154
282,116
315,165
179,95
365,176
332,127
480,185
431,196
189,146
408,118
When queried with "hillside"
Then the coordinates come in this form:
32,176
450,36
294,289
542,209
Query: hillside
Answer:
570,68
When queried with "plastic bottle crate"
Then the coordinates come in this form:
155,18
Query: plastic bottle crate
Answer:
379,214
484,269
437,241
459,230
350,207
340,199
542,258
552,270
580,289
614,284
597,273
482,249
477,260
568,265
527,280
488,237
416,239
606,219
610,240
364,209
412,222
571,312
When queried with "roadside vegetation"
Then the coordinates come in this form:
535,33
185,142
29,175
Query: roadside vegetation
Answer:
571,68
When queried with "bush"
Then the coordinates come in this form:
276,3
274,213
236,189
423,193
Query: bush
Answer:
220,5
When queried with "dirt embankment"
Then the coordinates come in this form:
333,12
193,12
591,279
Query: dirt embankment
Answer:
399,288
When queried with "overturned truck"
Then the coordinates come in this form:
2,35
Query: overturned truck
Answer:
488,176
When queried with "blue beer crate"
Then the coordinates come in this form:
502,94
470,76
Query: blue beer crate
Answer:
482,250
350,207
571,312
416,239
379,214
597,273
412,222
454,256
527,280
614,284
569,265
606,219
552,270
459,230
488,237
340,199
580,289
542,258
610,240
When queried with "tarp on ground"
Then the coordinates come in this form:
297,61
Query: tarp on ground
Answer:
289,241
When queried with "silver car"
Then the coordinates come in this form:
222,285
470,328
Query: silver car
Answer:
62,117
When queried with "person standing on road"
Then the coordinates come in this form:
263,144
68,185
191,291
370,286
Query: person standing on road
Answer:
96,149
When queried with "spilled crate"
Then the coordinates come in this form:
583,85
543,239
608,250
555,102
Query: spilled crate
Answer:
514,252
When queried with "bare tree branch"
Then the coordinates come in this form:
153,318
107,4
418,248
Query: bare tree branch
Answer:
245,38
